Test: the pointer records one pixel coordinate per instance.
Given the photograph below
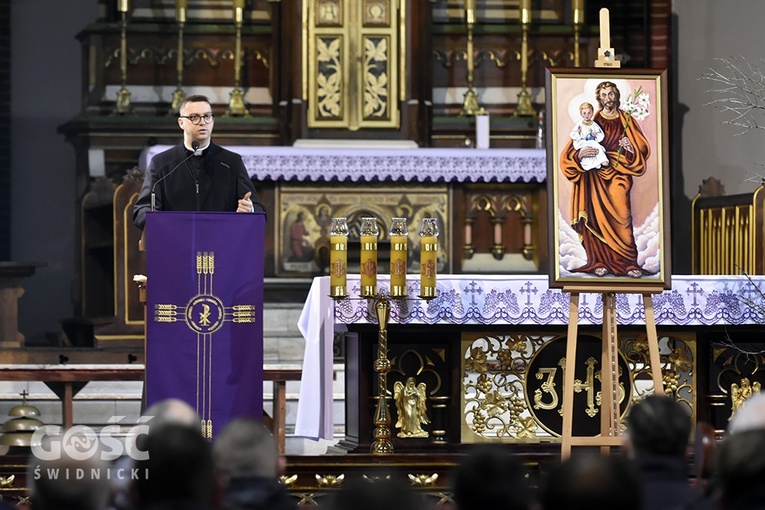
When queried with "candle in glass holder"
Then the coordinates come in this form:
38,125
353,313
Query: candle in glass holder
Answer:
428,257
369,232
338,257
399,235
122,6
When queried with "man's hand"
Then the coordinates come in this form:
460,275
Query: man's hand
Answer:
587,152
245,204
625,144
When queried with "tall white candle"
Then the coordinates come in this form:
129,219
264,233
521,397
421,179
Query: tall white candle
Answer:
605,35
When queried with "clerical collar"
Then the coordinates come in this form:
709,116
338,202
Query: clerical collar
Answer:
200,151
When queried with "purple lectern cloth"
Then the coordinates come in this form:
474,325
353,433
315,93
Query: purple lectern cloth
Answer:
204,328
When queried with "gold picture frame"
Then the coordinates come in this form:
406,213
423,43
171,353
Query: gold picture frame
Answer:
608,182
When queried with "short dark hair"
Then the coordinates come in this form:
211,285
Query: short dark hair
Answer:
384,493
195,98
659,425
490,478
179,467
588,481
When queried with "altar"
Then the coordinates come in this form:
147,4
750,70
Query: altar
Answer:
490,348
312,164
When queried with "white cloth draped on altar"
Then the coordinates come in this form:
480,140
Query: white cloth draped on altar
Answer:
496,300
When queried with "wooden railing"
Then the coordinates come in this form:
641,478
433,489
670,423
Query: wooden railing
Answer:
66,381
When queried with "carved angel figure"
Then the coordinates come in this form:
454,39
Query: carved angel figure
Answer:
738,394
411,407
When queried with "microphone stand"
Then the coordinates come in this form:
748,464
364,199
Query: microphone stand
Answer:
195,148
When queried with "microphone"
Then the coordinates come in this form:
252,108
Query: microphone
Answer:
194,152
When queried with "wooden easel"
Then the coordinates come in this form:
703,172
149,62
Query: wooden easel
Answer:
609,374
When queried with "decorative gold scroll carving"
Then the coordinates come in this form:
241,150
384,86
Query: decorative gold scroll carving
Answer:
512,389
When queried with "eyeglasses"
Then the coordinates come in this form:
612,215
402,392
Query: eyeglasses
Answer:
197,119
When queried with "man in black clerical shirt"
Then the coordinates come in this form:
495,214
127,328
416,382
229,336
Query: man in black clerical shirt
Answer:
196,175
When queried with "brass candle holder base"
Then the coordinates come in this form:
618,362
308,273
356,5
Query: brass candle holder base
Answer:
236,106
525,108
428,292
178,96
123,105
338,291
398,291
369,291
470,106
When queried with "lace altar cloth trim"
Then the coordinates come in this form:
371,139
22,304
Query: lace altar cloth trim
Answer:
497,300
411,165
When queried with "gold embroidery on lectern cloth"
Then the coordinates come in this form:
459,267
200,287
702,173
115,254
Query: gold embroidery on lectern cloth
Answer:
204,314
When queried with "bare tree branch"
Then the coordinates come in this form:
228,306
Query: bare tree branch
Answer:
741,93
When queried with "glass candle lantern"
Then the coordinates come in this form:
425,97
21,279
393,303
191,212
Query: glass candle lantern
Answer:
428,257
338,257
398,248
369,232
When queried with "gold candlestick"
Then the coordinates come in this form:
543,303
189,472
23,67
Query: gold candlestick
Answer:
338,257
428,257
236,106
525,108
369,232
179,95
578,10
382,443
123,106
470,104
398,251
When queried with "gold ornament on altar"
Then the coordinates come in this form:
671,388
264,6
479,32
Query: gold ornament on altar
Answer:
181,8
525,108
470,104
740,392
236,106
123,105
411,406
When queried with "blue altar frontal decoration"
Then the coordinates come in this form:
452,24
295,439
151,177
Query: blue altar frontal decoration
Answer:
527,299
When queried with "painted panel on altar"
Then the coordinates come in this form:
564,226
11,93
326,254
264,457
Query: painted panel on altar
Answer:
608,177
305,215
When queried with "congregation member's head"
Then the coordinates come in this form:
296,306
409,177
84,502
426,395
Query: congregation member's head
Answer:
657,425
178,470
66,483
489,477
587,481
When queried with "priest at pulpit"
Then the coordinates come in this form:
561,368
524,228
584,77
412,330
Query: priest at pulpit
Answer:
196,175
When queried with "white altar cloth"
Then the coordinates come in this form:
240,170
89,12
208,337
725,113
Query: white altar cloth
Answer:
500,300
411,165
